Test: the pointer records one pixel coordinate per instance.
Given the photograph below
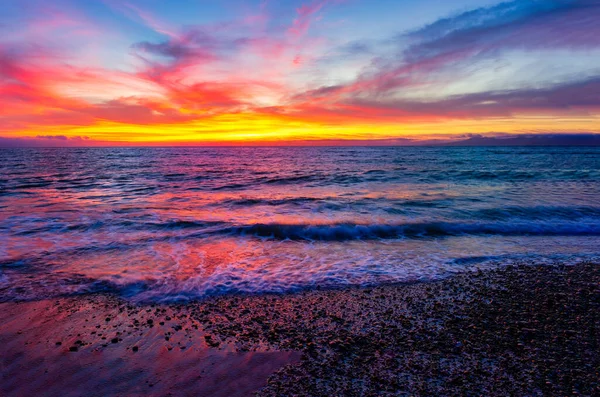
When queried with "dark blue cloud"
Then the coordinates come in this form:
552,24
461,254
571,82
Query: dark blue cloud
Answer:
525,24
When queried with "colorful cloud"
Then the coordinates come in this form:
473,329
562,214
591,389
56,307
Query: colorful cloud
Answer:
254,72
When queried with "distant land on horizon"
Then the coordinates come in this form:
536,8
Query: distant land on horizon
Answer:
531,140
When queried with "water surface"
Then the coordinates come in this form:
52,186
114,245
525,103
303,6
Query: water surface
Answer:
183,223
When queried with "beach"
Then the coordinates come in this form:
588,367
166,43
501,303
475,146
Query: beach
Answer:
299,198
515,330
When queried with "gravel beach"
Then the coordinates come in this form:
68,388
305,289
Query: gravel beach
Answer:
518,330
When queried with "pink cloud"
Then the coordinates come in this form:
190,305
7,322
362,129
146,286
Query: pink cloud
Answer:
306,14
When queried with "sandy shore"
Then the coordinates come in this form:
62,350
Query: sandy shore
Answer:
521,330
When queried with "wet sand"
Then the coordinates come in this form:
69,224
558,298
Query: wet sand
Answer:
94,347
519,330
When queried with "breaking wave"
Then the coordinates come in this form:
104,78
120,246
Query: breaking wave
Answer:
342,232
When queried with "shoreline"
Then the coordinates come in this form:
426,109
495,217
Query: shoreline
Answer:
520,329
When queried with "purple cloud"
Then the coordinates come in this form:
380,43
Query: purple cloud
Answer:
582,96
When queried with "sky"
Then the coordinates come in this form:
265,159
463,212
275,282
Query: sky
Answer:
161,72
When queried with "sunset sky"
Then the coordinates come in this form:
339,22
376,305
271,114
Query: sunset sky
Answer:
156,72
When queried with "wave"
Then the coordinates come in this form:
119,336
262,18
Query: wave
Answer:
293,179
289,278
538,212
504,222
129,225
244,202
342,232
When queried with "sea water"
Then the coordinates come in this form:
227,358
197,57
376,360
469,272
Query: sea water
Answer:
168,224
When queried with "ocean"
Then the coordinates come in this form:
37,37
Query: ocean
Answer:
174,224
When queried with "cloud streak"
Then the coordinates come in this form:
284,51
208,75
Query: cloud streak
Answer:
444,46
268,75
